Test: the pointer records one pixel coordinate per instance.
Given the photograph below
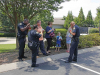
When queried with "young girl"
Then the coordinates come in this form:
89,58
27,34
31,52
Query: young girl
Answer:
58,42
68,39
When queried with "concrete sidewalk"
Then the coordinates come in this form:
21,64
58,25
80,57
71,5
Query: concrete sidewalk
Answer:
11,40
16,65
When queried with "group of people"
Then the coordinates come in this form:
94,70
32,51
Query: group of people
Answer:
35,40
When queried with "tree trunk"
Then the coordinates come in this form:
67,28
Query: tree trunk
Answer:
17,44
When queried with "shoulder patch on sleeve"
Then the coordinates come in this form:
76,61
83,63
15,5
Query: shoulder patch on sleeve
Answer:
20,24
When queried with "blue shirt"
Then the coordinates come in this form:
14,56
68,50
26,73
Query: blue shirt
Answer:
76,30
47,34
22,25
58,39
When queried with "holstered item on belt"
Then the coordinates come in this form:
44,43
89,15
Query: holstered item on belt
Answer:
20,36
33,44
75,39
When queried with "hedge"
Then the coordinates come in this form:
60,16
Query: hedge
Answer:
94,30
7,35
84,40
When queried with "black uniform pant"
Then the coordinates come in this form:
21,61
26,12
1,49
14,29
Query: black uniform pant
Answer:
21,47
49,40
34,54
73,51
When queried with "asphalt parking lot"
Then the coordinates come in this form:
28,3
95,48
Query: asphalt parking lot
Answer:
88,64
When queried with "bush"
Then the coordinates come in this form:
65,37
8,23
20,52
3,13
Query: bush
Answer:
84,40
60,29
94,30
89,40
7,35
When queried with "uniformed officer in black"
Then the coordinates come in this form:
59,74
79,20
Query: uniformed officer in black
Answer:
22,32
33,38
74,45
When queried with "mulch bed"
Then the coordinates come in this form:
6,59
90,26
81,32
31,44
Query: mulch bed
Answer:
13,56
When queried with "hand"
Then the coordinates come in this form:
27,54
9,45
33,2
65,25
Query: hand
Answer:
53,29
70,31
43,30
28,25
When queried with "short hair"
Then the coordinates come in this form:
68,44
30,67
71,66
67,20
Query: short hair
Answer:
49,23
72,22
26,20
38,21
35,26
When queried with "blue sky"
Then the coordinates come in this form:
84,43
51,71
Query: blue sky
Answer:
75,5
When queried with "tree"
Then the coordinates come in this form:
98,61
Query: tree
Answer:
6,24
64,18
17,10
76,20
69,18
45,18
97,19
81,17
89,20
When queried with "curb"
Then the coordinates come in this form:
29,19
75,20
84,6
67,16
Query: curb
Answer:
16,65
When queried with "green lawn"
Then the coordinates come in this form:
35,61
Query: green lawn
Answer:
7,47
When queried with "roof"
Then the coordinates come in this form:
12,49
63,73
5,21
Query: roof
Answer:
58,21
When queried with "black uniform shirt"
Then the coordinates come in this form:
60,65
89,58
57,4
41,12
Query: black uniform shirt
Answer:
22,25
76,30
33,35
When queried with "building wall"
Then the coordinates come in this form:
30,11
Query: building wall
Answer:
57,26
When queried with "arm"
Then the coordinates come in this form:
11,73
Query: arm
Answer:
50,30
73,33
25,28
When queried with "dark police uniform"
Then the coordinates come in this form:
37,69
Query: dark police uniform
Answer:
74,44
33,37
21,38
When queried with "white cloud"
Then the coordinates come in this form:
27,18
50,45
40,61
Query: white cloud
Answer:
75,6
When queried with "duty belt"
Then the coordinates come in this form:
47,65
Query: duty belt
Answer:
75,39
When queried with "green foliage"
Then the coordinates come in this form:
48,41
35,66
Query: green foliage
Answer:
61,30
89,40
89,21
69,18
94,30
81,18
6,24
76,20
45,18
84,40
7,34
97,19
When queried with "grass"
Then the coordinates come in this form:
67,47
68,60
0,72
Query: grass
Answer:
7,48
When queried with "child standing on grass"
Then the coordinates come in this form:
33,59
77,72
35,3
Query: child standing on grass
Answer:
58,42
68,39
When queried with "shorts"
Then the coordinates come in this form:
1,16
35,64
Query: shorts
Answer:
58,45
68,41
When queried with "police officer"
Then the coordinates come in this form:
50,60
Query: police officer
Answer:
74,44
22,32
33,43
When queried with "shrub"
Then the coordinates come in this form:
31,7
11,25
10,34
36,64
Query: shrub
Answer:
60,29
7,34
94,30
